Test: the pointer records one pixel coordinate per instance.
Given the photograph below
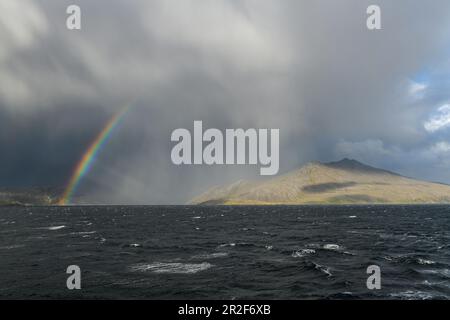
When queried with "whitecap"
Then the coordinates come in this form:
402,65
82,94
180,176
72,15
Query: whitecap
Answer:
333,247
55,228
172,267
352,217
197,217
424,261
302,253
231,244
268,247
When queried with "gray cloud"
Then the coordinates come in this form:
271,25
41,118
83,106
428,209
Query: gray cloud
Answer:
311,69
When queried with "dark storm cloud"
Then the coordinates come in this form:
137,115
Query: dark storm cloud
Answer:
310,68
39,148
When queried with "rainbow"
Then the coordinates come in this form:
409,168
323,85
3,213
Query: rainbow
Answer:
87,160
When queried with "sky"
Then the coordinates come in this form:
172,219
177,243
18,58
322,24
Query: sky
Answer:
310,68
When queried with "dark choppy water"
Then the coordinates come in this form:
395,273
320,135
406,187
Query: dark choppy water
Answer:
182,252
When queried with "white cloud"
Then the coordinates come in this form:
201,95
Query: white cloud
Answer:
222,30
104,62
441,148
439,121
21,24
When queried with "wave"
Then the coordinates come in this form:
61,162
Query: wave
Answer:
271,234
135,245
83,233
302,253
172,267
443,284
336,248
55,228
412,295
329,246
423,261
214,255
342,296
323,269
332,247
410,260
231,244
444,273
14,246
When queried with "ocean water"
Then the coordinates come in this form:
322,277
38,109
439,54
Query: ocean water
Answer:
250,252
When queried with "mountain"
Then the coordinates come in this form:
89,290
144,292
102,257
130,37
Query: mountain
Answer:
342,182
